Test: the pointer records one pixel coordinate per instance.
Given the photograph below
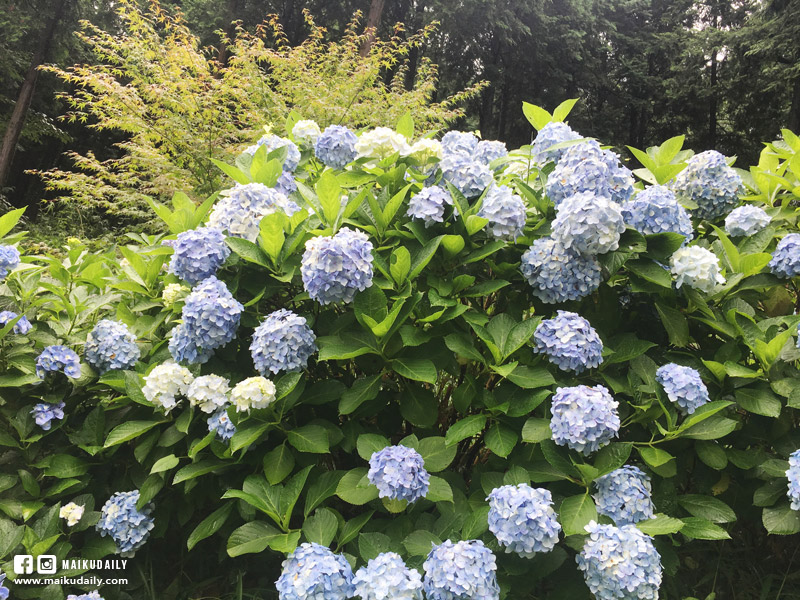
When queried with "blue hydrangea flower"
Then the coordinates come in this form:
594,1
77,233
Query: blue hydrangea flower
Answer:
198,254
468,176
110,345
488,150
273,142
336,146
696,267
3,589
620,563
286,183
785,261
584,418
21,327
588,224
459,142
557,274
43,413
399,473
656,210
586,167
793,474
505,211
548,136
283,342
710,183
241,208
466,570
684,386
210,320
313,572
221,424
95,595
58,358
335,267
429,204
128,526
746,220
9,259
624,495
569,342
523,520
386,577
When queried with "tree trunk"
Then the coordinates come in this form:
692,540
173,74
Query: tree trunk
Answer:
20,112
231,13
373,20
712,105
794,111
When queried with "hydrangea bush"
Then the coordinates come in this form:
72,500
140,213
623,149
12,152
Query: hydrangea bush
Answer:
424,369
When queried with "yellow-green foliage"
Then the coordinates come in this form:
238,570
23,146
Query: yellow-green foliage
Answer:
180,107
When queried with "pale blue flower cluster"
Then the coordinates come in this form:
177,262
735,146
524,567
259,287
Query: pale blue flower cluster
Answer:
746,220
505,211
569,342
793,475
3,589
399,473
128,526
551,134
241,208
9,259
459,142
785,261
466,570
273,142
336,146
58,358
656,210
44,412
468,176
21,327
620,563
286,183
710,183
429,204
283,342
624,495
386,577
335,267
684,386
210,319
584,418
488,150
313,572
586,167
557,274
221,424
523,520
588,224
198,254
95,595
110,345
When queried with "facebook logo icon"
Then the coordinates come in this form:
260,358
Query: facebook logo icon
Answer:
23,564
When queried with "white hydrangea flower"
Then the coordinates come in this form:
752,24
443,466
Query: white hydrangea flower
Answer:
696,267
172,293
380,143
165,383
209,393
425,149
253,393
72,513
305,132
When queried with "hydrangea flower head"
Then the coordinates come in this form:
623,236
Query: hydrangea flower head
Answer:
523,520
58,358
44,413
72,513
306,132
283,342
710,183
314,572
210,320
684,386
198,254
588,224
386,577
656,210
429,204
95,595
569,342
620,563
273,142
466,570
746,220
253,393
110,345
468,176
209,393
488,150
505,211
551,134
336,146
624,495
785,261
697,268
21,327
241,208
335,267
3,589
399,473
9,259
286,184
172,293
128,526
380,143
165,384
221,424
584,418
793,474
557,274
426,149
459,142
